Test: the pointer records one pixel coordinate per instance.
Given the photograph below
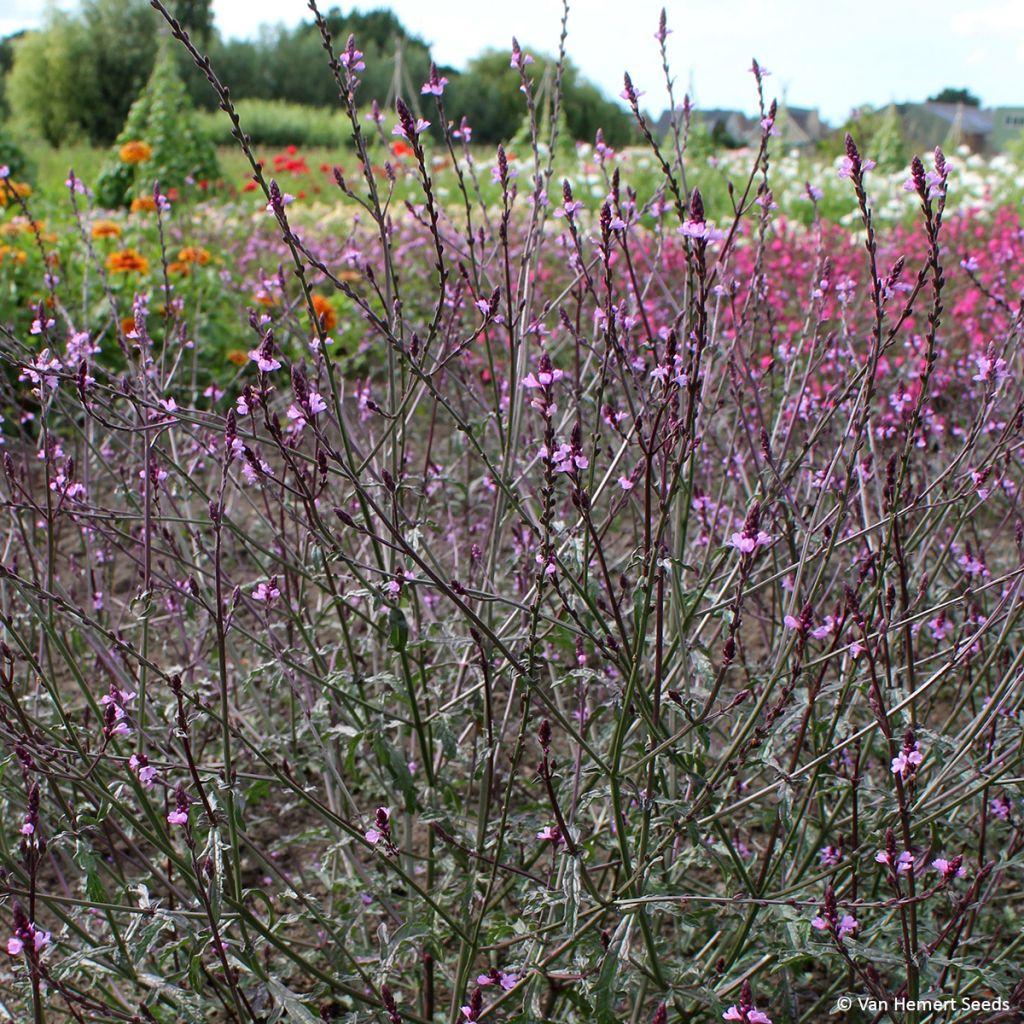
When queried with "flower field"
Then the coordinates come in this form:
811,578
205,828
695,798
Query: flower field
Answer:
548,584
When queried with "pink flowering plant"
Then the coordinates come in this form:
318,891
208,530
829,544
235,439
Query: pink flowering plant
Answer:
608,609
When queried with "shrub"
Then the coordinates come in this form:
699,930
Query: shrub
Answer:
12,156
637,638
160,141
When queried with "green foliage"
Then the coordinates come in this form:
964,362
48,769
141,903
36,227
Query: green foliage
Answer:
122,39
196,16
11,156
487,94
6,63
50,81
878,133
78,75
888,146
290,65
276,123
162,118
949,95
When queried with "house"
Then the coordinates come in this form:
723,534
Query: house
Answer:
798,126
926,125
1007,128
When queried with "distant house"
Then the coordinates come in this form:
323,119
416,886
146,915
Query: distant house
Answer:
926,125
798,126
983,130
802,126
1007,127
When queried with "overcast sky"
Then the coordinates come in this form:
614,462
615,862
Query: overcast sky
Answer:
831,57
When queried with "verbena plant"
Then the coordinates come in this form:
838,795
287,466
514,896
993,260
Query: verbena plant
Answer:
640,639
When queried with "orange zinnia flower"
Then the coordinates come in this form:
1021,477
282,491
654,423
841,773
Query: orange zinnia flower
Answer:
238,357
143,203
106,229
9,189
10,254
325,311
192,254
179,267
135,152
127,261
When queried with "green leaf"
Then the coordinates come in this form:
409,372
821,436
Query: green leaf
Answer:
399,627
297,1010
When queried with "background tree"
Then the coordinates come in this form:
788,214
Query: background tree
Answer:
197,17
51,82
122,37
950,95
487,95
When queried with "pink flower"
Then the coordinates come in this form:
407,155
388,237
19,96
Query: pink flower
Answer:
352,58
519,59
907,760
751,1016
267,591
264,360
827,628
28,932
747,543
550,834
831,855
421,126
505,980
950,868
434,86
146,773
999,808
846,167
286,198
178,817
543,379
701,229
381,830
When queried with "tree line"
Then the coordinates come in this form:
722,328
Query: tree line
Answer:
76,76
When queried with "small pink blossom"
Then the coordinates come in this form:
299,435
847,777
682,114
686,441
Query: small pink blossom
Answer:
267,591
906,761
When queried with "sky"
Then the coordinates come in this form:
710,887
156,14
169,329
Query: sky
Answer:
833,57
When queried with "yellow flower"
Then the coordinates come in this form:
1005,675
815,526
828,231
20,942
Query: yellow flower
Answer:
325,311
106,229
135,152
143,203
192,254
127,261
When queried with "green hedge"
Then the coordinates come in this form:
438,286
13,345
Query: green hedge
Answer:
275,123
